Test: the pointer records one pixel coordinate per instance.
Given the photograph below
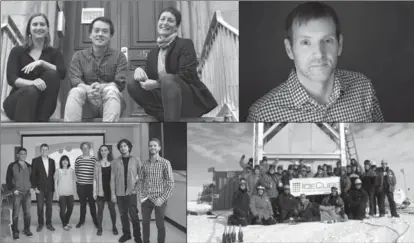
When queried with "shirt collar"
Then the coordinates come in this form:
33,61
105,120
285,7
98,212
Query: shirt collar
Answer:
157,158
300,96
108,52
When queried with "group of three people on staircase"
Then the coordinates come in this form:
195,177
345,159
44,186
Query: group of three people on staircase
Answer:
102,179
167,88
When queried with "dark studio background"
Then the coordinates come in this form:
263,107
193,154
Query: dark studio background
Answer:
378,42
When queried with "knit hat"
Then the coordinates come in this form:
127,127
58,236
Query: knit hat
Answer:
358,181
260,187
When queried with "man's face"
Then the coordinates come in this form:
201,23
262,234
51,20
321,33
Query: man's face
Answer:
358,186
314,49
260,192
44,151
124,149
243,186
334,192
367,166
85,149
279,170
100,34
22,155
154,147
302,200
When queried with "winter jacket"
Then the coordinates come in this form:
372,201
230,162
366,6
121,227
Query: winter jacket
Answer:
337,171
368,180
309,211
286,179
345,184
260,206
392,180
379,180
252,181
336,201
241,203
270,182
357,196
287,202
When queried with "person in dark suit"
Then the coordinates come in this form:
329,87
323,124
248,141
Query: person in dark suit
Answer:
43,172
169,88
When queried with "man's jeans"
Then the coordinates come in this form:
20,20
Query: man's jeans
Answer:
109,109
146,208
24,199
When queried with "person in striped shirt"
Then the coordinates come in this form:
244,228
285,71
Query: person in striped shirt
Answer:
84,170
157,181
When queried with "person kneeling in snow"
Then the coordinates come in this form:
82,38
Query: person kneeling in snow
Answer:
307,211
241,201
261,208
287,204
357,199
332,208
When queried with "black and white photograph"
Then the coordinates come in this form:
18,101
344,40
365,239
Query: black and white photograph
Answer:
339,61
93,182
119,61
300,182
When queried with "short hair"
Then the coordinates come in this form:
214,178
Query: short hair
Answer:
83,143
29,42
62,159
105,20
110,156
128,143
173,11
305,12
21,149
155,140
44,145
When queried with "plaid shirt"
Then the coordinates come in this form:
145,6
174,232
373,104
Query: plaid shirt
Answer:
156,180
85,68
353,100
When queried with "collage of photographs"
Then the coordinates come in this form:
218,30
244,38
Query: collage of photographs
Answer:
207,121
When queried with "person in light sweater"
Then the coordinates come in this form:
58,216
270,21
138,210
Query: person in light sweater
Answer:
65,184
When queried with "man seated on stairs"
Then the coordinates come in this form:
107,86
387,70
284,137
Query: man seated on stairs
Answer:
98,75
169,88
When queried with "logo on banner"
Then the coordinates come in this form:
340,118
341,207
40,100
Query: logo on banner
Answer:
314,186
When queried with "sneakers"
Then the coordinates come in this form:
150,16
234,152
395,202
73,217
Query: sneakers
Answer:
79,225
28,233
66,227
50,227
69,225
396,215
39,228
124,238
15,236
114,230
99,233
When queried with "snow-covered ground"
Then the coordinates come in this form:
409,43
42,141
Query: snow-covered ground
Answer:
204,229
198,208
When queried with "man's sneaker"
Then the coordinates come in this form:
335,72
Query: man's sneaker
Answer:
114,230
15,236
50,227
382,215
69,225
28,233
138,240
99,233
124,238
66,227
396,215
39,228
79,225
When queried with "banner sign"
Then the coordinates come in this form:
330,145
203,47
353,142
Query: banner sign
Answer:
314,186
89,14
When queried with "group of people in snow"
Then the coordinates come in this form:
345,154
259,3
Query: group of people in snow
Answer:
264,197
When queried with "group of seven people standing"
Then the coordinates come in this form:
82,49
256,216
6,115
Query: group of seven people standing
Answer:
122,181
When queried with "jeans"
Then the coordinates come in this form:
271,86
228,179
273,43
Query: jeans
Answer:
41,198
29,104
66,208
380,196
146,208
127,205
100,201
172,101
24,199
85,193
390,196
372,203
77,102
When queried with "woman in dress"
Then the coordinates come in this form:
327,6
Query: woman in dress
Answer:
169,87
101,187
65,184
34,72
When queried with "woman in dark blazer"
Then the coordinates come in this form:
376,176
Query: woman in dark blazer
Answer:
169,87
34,71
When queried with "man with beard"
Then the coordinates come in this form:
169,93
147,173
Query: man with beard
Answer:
368,183
125,175
332,208
240,204
98,75
389,182
287,204
316,90
307,211
157,182
271,183
357,199
261,208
